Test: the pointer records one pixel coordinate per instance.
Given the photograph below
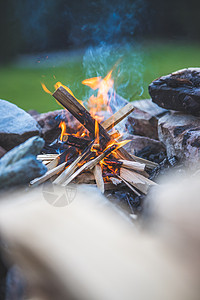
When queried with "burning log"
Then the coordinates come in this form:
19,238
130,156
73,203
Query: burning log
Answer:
73,167
80,113
84,117
74,141
99,178
90,164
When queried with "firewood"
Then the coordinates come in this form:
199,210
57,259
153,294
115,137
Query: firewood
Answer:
90,164
74,141
99,178
129,185
80,113
84,117
132,165
118,117
149,164
48,175
53,163
86,177
73,167
48,157
138,181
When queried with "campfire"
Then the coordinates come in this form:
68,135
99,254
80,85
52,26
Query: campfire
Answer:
95,154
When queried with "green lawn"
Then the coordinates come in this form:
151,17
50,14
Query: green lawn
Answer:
21,84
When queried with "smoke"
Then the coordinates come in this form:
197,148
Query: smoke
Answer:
112,37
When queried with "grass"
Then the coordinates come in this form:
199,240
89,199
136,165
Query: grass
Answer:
21,84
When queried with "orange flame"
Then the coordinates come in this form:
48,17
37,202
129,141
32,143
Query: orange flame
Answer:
96,132
45,88
101,101
93,83
62,125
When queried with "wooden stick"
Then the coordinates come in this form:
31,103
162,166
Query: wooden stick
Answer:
73,167
149,164
80,113
118,116
129,185
138,181
53,163
48,175
47,156
99,178
132,165
90,164
75,141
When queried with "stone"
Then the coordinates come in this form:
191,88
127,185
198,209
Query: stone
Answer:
142,123
150,107
19,165
181,135
145,147
2,151
49,123
179,91
16,125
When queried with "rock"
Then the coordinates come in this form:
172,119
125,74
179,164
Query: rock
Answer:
32,146
21,172
145,147
181,135
150,107
16,125
142,123
178,91
19,165
33,112
49,122
2,151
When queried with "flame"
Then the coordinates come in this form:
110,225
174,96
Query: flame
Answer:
96,132
45,88
101,101
93,83
62,125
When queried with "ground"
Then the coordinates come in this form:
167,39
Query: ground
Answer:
21,81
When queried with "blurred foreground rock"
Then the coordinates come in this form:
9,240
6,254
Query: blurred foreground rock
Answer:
87,250
19,166
16,125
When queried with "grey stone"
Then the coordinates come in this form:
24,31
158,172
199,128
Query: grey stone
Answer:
16,125
19,165
181,135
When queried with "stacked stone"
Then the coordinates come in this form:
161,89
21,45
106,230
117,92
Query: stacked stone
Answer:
179,129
